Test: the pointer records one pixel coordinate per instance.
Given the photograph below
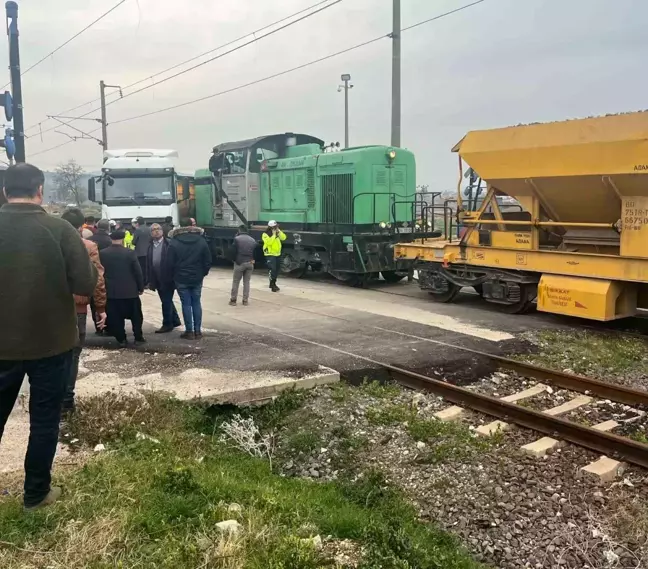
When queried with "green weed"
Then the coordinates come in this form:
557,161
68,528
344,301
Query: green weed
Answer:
448,440
390,414
588,352
341,391
304,441
156,505
379,390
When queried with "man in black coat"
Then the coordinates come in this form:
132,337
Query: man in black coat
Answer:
189,261
124,285
160,278
167,226
141,242
102,237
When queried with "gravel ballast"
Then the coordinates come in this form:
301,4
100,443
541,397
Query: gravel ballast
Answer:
510,510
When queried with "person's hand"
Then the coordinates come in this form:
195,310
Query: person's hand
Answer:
101,320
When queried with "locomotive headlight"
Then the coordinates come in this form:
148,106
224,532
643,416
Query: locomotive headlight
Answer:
383,225
391,155
389,226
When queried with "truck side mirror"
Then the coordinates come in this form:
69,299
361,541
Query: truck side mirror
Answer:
92,188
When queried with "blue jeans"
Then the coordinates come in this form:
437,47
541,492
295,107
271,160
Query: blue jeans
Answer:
191,307
47,379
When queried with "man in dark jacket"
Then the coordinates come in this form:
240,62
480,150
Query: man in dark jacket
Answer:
141,242
243,257
190,261
160,278
102,237
167,226
43,263
124,285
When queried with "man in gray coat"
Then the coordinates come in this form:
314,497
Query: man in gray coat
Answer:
243,257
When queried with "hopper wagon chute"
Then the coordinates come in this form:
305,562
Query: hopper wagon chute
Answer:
580,244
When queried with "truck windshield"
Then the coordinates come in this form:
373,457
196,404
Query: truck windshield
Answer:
158,190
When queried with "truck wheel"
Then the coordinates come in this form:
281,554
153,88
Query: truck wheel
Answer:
392,276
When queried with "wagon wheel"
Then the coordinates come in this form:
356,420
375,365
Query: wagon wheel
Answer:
358,280
448,296
443,289
528,293
392,276
287,267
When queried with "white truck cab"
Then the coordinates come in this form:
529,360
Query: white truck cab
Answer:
137,183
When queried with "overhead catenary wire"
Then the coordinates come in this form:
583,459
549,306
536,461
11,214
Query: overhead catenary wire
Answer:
280,73
60,47
254,33
293,69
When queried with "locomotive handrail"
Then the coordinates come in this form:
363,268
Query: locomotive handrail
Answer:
414,202
413,205
447,216
391,196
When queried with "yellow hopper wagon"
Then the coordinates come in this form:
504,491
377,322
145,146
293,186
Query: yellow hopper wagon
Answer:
579,245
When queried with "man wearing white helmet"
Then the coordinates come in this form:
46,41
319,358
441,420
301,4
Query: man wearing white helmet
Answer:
272,238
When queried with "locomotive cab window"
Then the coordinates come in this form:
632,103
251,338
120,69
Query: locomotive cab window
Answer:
235,161
258,156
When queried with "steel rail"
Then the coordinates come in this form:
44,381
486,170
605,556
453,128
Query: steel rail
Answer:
599,441
571,381
587,437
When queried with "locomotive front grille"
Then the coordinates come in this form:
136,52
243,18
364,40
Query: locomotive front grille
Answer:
337,198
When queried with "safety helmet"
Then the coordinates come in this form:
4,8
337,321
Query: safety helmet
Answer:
272,223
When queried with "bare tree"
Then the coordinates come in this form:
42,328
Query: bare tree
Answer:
67,178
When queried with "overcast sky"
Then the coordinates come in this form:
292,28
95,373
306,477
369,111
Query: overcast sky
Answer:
499,63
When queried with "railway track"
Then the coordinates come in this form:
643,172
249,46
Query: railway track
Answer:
606,443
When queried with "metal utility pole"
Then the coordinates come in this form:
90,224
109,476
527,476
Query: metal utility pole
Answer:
396,76
104,121
16,84
346,78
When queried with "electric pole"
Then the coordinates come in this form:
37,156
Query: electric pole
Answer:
104,121
396,75
346,78
16,84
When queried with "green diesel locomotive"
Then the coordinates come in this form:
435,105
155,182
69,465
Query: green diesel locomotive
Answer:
343,211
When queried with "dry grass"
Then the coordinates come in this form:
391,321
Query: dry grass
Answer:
153,503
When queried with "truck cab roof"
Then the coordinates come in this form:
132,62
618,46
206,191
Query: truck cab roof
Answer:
139,158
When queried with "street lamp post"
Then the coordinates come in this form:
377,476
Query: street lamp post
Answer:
346,78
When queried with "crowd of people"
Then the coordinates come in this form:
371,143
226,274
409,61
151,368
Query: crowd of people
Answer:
54,268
